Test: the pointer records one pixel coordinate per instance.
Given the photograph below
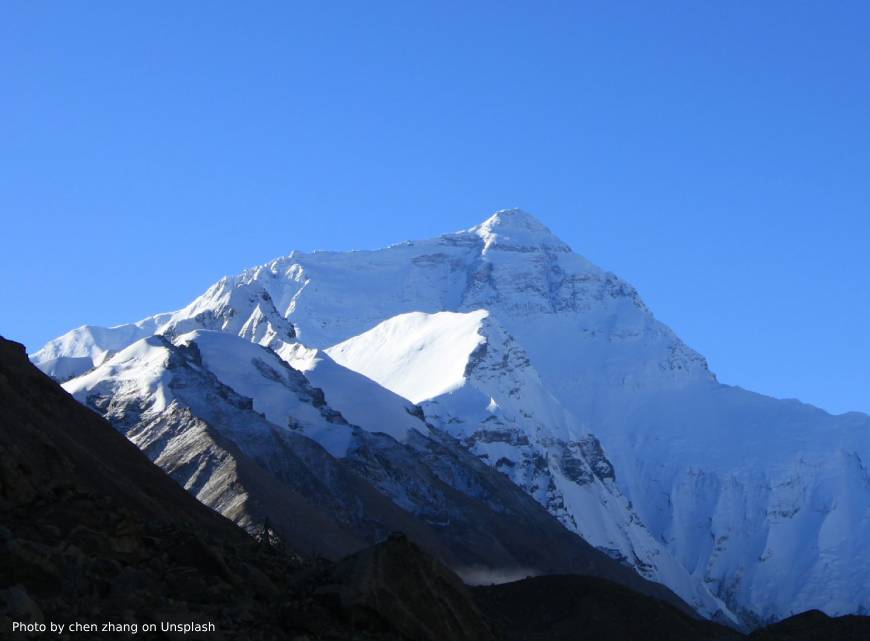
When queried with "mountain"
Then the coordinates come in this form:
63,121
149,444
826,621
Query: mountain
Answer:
475,381
93,532
248,435
555,373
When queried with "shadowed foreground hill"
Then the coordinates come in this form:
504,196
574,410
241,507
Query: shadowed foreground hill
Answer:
93,532
565,608
575,608
816,626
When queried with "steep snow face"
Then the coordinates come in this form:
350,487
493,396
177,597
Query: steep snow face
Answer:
767,499
492,400
419,356
359,399
760,499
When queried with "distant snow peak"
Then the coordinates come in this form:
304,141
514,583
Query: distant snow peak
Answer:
516,230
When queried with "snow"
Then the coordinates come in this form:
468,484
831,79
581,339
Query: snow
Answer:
278,391
245,309
81,349
359,399
495,403
281,393
139,369
418,356
516,230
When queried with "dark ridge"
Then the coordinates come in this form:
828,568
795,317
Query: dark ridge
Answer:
50,445
816,626
396,585
571,607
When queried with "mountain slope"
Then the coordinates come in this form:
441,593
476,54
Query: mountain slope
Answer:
483,390
249,436
359,399
92,531
212,441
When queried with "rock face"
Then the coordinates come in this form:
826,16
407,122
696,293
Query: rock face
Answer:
744,505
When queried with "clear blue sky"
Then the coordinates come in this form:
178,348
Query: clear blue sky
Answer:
715,154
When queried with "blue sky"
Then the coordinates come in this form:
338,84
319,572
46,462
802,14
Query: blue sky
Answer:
714,154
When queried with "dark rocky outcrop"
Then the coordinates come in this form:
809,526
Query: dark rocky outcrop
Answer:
816,626
396,586
570,607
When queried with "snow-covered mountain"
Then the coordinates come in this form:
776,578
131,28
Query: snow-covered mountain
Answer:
250,436
520,349
476,382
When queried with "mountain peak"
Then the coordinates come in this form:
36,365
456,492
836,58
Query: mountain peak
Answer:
513,216
515,229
